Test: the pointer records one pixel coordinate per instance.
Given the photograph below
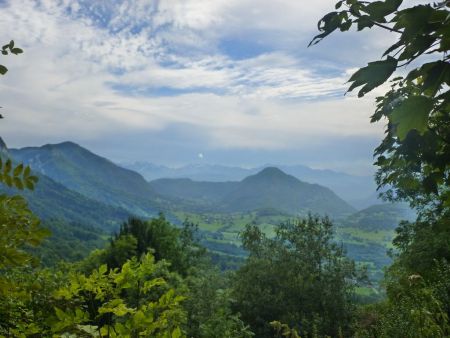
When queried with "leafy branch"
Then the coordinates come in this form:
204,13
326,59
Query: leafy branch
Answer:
7,49
19,176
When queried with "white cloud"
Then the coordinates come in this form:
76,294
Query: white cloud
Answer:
65,85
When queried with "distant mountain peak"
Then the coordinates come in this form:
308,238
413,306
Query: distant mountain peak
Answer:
69,144
271,171
270,174
65,144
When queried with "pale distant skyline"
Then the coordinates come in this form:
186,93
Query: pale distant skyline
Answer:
168,81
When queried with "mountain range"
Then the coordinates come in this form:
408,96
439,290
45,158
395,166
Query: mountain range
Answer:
359,191
269,188
72,173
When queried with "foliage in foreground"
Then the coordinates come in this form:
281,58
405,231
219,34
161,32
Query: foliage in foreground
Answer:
413,158
300,277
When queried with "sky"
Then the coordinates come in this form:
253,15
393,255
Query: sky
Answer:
189,81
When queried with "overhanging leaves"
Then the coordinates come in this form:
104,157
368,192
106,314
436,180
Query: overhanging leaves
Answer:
412,113
373,75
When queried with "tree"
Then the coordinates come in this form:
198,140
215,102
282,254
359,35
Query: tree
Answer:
301,277
136,237
414,156
208,306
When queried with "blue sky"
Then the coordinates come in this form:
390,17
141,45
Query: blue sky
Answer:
163,81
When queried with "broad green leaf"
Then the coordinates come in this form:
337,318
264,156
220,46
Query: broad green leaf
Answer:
373,75
3,70
413,20
378,10
416,46
412,113
364,22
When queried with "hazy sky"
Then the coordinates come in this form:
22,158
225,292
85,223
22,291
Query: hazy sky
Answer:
165,81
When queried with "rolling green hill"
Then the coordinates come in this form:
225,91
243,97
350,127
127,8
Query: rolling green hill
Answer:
93,176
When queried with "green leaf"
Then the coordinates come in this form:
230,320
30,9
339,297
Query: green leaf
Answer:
16,51
8,180
378,10
412,113
3,70
102,269
364,22
8,167
328,24
29,184
435,75
18,170
27,171
413,20
18,183
177,333
416,46
373,75
60,314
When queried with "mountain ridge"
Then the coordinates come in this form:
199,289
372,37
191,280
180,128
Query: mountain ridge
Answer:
269,188
98,178
91,175
362,187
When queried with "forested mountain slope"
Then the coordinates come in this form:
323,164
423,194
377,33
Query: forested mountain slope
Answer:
92,176
51,200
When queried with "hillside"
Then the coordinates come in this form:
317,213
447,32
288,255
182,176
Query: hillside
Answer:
270,188
91,175
51,200
380,217
207,193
